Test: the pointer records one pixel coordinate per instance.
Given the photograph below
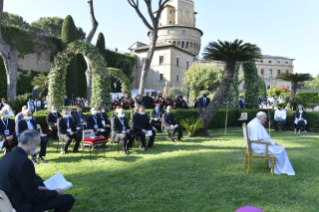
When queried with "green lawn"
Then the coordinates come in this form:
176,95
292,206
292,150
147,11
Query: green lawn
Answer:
199,174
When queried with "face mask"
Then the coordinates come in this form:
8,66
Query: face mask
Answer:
135,104
94,112
67,116
6,116
122,115
143,113
34,152
103,111
156,108
29,118
53,111
205,95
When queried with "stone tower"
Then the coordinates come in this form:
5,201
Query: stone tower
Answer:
177,26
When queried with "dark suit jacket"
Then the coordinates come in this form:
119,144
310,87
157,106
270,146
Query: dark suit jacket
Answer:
52,119
117,127
22,125
153,114
91,122
78,116
67,102
147,102
63,127
304,114
168,120
20,183
141,122
10,127
103,117
201,102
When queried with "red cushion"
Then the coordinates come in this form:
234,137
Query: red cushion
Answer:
93,140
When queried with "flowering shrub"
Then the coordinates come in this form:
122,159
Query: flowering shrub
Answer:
283,89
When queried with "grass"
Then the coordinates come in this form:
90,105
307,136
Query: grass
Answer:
199,174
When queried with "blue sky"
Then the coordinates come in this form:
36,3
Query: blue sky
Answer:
279,27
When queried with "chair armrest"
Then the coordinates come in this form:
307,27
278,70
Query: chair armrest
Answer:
258,142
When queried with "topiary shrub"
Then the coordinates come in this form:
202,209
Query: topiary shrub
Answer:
251,84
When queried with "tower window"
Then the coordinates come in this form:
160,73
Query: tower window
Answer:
161,60
196,35
160,77
278,71
270,71
286,62
174,43
177,77
187,65
184,32
278,62
287,72
262,71
269,61
186,45
170,22
169,32
177,61
183,44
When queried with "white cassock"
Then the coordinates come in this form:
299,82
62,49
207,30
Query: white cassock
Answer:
257,132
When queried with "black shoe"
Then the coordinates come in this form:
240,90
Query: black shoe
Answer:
34,161
76,151
55,139
144,149
41,159
173,141
125,153
180,140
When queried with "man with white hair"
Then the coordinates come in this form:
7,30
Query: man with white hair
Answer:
257,132
20,116
7,132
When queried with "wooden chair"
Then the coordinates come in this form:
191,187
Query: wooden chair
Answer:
89,143
41,133
249,154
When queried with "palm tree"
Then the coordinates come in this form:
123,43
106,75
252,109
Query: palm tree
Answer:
230,53
294,79
42,82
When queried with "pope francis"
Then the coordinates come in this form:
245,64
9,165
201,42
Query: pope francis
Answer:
257,132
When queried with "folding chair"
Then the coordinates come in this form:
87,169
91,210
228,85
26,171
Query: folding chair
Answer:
89,142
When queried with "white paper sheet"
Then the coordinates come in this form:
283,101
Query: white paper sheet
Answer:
57,181
149,133
1,144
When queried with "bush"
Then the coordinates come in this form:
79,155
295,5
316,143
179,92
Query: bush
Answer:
274,92
307,99
17,102
192,125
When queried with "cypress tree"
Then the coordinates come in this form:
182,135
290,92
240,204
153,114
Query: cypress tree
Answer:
251,84
100,43
69,35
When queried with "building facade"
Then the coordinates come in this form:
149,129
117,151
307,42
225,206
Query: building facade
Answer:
179,42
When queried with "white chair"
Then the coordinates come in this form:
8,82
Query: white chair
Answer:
316,109
243,117
5,204
308,109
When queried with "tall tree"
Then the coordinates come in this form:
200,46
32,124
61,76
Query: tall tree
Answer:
230,53
251,84
9,55
68,36
153,28
294,79
88,39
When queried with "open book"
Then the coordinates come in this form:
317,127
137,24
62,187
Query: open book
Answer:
57,181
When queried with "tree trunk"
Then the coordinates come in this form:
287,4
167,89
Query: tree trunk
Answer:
292,96
88,39
212,109
148,60
9,55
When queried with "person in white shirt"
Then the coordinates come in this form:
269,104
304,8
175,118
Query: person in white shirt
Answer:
280,117
37,104
257,132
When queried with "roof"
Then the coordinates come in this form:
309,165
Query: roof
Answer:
278,57
137,42
162,45
170,6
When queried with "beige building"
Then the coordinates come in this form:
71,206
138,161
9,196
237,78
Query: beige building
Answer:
178,44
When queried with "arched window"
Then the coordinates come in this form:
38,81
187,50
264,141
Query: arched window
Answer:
174,43
183,44
178,43
191,45
186,45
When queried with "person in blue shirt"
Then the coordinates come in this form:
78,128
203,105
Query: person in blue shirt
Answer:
30,105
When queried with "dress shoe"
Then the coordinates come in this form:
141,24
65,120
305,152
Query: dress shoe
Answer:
41,159
125,153
76,151
173,141
180,140
34,161
144,149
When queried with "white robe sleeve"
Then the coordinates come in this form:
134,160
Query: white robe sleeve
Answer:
268,141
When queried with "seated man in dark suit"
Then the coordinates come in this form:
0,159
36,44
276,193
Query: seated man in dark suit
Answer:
23,187
156,115
67,130
121,132
141,126
52,119
105,123
94,122
78,116
203,102
20,116
170,125
28,123
7,129
147,101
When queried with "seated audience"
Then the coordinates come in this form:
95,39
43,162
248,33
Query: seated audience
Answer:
28,123
300,118
20,116
52,119
156,115
67,131
94,122
78,116
7,130
257,132
121,132
105,123
147,101
170,125
141,126
67,101
280,117
23,187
